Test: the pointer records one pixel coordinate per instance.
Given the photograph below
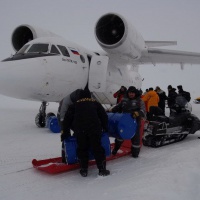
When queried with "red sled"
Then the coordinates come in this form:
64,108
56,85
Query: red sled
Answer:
55,165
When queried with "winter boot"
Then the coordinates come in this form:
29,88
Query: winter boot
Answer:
114,151
104,172
102,169
84,167
84,172
135,152
118,143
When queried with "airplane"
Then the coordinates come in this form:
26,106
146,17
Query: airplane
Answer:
46,67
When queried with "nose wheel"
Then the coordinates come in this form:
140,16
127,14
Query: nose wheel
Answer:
40,119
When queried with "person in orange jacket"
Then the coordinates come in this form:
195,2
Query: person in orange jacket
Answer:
152,99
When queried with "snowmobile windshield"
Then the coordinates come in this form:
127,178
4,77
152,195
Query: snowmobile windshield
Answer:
181,101
188,107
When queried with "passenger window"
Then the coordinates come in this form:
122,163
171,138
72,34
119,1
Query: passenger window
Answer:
64,51
54,50
38,48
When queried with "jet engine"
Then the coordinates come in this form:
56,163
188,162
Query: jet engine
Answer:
117,36
25,33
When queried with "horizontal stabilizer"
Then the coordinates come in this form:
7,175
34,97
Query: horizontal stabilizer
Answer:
160,43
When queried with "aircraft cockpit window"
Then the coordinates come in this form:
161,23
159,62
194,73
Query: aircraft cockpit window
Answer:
38,48
64,51
23,49
54,50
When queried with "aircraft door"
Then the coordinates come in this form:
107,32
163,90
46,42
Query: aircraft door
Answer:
97,73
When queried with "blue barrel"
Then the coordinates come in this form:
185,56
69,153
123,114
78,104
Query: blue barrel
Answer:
70,146
53,124
105,142
47,118
121,126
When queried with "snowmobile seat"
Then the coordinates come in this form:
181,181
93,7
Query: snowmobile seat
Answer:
163,118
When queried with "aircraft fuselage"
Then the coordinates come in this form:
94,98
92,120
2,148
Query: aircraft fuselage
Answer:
57,69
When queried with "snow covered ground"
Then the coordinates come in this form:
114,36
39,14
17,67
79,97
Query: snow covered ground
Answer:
168,173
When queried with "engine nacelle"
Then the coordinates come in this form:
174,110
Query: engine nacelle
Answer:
116,36
25,33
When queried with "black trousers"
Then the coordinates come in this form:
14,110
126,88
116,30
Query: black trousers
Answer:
153,112
87,140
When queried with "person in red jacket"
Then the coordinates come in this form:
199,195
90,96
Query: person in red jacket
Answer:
120,94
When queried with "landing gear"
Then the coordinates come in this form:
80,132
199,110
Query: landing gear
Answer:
40,119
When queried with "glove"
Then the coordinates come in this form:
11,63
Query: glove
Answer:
135,114
64,135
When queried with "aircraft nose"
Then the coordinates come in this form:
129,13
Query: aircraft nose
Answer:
20,78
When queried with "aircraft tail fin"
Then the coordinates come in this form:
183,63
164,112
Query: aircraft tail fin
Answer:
160,43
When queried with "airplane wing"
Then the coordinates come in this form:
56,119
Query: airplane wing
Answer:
154,56
160,43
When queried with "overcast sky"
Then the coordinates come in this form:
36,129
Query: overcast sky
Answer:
75,20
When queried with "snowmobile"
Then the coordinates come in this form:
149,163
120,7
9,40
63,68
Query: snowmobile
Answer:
163,130
197,100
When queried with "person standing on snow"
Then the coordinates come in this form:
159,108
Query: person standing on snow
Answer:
120,94
162,98
184,93
135,106
171,97
89,119
152,99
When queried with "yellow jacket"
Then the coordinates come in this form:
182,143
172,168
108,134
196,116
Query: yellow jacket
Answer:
151,98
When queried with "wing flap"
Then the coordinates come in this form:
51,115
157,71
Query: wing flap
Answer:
169,56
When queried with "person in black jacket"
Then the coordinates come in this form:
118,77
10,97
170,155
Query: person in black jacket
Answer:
89,120
184,93
171,97
162,97
135,106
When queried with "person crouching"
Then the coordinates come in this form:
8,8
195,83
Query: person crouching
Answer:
135,106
